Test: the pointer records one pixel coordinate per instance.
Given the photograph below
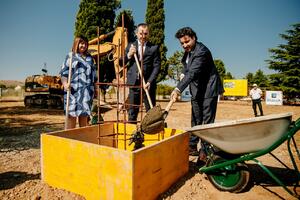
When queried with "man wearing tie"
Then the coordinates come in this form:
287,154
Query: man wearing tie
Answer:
200,73
149,54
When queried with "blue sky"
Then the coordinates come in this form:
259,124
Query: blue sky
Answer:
239,32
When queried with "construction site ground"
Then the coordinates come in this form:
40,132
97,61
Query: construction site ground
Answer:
20,172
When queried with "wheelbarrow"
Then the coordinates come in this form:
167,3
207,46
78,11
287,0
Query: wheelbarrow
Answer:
232,143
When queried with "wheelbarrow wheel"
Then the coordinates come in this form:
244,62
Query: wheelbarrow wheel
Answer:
232,178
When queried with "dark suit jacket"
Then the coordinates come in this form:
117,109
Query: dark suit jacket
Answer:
201,74
151,64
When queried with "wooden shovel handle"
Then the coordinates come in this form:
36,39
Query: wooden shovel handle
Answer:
169,105
144,83
68,91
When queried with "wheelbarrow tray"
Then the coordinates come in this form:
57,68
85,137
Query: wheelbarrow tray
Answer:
244,135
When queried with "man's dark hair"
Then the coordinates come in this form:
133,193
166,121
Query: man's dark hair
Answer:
142,24
185,31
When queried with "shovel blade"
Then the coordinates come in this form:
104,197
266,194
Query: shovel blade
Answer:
153,120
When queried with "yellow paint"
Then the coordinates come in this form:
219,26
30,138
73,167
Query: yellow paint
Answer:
149,139
77,163
236,87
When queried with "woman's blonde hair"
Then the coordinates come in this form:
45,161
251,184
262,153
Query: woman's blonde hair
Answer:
76,42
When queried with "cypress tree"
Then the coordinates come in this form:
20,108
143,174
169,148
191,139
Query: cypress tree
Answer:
155,18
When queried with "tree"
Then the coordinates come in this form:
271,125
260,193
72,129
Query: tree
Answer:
175,66
250,77
286,60
228,75
155,18
163,90
221,68
128,23
2,86
260,79
93,14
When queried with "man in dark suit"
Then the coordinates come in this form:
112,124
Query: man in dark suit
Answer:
200,73
150,56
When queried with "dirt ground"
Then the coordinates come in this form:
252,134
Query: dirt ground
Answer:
20,173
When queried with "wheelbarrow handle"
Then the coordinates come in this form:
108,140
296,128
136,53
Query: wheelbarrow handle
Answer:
144,83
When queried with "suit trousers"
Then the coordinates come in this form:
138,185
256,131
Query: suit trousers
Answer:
203,112
135,101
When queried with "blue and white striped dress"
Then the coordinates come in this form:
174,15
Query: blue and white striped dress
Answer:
82,84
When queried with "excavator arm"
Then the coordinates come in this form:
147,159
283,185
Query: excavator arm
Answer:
113,50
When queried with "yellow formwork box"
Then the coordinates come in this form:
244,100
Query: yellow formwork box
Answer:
75,161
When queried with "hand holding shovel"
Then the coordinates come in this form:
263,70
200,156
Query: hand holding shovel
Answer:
144,83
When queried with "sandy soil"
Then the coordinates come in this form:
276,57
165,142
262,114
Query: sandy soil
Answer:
20,172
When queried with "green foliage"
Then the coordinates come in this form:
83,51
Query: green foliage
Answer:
2,86
175,66
286,60
155,17
220,67
250,77
228,75
260,79
93,14
128,23
163,89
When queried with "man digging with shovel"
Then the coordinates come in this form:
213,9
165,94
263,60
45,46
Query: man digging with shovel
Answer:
200,73
144,52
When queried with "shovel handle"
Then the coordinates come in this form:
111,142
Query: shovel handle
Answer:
167,109
169,105
68,91
144,83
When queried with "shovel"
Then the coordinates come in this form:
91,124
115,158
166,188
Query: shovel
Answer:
68,91
154,120
152,123
144,83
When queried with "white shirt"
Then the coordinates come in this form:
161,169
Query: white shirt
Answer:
140,49
255,93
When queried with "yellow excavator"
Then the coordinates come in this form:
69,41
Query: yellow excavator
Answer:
45,91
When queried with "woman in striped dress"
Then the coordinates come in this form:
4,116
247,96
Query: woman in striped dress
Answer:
82,84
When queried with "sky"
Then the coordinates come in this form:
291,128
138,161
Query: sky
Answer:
35,33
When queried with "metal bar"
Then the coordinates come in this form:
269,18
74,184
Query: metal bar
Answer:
98,88
274,177
124,74
101,37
